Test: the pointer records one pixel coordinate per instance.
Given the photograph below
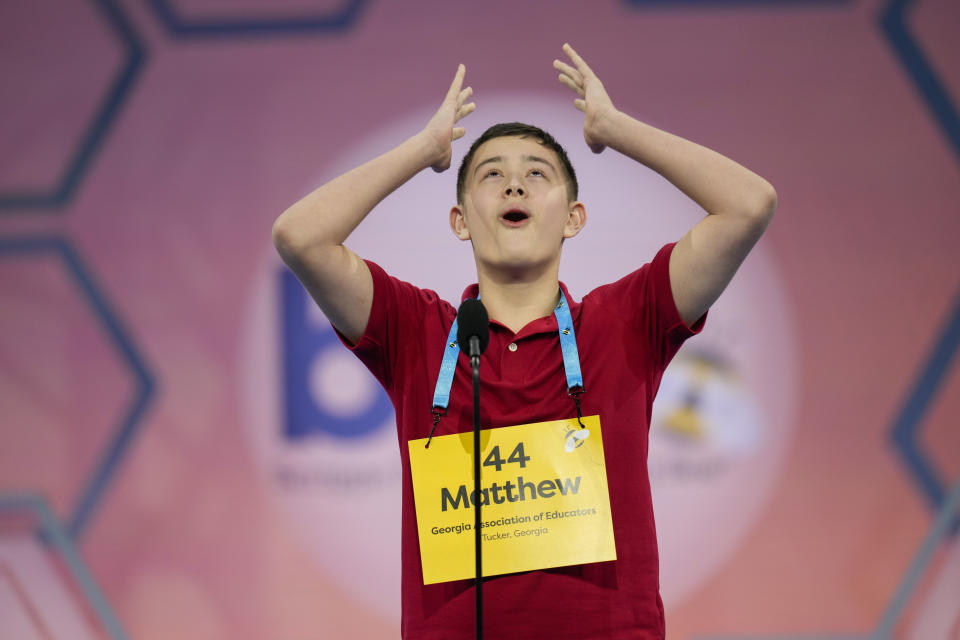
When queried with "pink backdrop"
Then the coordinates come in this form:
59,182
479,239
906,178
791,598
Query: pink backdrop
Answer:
141,382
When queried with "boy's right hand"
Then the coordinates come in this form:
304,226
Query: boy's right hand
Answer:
310,234
440,131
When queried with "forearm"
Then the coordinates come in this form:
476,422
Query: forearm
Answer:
328,215
715,182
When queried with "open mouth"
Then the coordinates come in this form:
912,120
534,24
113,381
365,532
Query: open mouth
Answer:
515,215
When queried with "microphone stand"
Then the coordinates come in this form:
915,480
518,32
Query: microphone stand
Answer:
478,581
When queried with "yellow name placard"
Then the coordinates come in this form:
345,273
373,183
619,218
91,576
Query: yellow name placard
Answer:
543,497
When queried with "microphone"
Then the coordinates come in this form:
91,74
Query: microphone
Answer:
473,331
473,328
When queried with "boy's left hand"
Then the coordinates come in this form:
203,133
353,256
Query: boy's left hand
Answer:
593,100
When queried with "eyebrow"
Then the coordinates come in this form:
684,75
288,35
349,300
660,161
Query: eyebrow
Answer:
525,159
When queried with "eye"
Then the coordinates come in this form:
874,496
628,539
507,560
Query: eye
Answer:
538,173
491,172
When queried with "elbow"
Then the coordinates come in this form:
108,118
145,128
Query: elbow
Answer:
754,206
768,200
763,205
284,239
297,241
279,234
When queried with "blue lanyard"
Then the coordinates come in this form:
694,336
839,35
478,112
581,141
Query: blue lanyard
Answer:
568,345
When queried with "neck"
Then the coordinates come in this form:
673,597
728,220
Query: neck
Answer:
515,302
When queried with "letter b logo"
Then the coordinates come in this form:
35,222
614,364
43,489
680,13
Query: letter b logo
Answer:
304,346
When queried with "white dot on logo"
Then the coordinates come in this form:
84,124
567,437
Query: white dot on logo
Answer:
340,384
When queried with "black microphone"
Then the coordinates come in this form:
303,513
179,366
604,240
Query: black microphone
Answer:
473,331
473,328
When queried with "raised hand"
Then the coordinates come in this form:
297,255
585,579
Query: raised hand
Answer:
441,129
593,99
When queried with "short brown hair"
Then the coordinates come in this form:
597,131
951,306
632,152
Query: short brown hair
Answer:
519,130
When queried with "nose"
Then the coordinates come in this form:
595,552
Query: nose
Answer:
514,189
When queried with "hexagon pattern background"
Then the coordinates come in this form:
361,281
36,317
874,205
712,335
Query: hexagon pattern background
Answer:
147,146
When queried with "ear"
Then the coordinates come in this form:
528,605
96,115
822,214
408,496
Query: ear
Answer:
458,223
576,219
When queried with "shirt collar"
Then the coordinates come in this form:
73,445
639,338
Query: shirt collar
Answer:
546,324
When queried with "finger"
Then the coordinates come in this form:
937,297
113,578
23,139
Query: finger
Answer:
567,70
458,132
578,62
570,83
465,110
457,82
580,104
463,95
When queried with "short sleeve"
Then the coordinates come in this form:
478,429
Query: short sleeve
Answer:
645,300
395,325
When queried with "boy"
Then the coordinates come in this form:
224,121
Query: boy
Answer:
516,203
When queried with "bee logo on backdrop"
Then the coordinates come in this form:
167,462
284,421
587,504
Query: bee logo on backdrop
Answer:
704,420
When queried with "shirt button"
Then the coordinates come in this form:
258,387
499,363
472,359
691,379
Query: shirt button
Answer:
512,346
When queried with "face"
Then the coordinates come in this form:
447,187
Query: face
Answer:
515,207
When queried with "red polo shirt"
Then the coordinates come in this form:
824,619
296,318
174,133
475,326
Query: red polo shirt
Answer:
626,332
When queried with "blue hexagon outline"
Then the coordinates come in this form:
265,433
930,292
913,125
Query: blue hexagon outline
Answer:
51,530
91,142
906,428
905,432
181,27
893,22
118,444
